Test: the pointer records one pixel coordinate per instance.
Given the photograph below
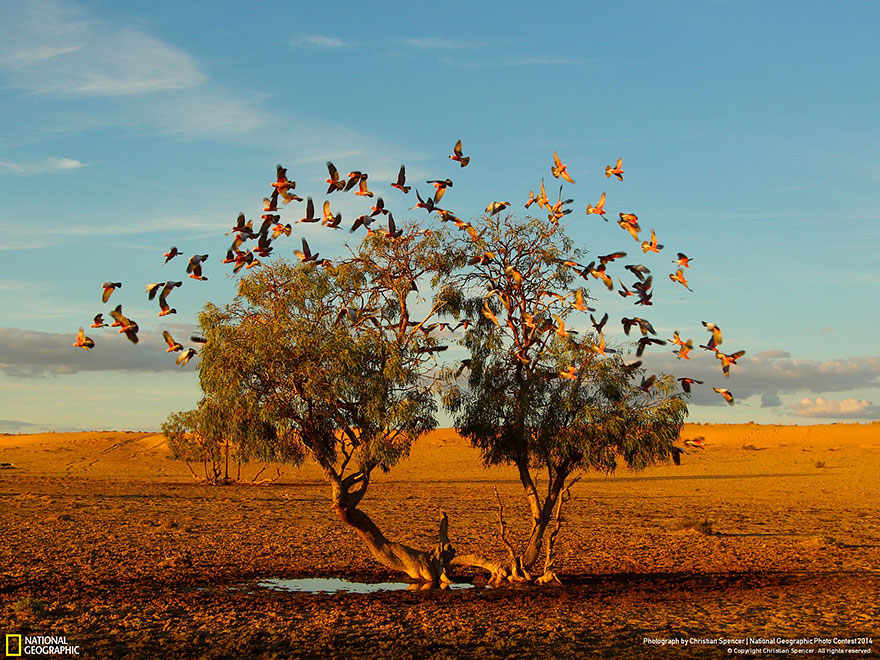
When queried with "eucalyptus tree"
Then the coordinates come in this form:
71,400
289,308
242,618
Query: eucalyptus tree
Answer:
329,360
538,394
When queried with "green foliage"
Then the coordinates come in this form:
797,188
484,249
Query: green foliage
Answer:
29,605
186,444
324,360
516,408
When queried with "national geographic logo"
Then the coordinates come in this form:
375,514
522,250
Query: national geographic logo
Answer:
13,645
38,645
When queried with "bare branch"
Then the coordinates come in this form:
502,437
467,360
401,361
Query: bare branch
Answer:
503,526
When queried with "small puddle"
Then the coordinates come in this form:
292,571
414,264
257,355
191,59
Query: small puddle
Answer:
334,585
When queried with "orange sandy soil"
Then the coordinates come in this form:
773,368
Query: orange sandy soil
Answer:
133,559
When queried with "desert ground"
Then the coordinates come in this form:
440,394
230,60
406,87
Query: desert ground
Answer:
108,541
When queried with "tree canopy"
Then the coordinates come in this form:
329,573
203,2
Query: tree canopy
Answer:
538,395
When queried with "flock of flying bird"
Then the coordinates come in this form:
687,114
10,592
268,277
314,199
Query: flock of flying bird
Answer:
130,328
243,256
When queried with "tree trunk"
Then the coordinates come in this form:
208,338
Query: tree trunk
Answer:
226,467
417,564
542,515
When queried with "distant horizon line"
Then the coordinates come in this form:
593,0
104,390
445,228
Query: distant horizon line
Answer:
158,431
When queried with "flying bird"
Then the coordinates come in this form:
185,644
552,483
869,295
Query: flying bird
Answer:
194,268
727,360
330,220
496,207
685,347
422,204
599,209
543,201
648,383
560,328
82,341
624,292
441,187
645,342
186,356
305,255
393,231
270,204
243,228
715,339
683,260
676,453
109,288
727,394
638,270
310,212
651,246
335,182
353,179
531,200
579,302
283,185
629,368
644,326
172,345
401,181
173,252
280,229
679,277
125,324
153,288
599,273
629,222
617,170
687,382
609,258
558,170
458,156
362,190
600,348
362,221
98,322
379,208
164,307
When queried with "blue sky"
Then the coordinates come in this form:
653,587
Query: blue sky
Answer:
748,132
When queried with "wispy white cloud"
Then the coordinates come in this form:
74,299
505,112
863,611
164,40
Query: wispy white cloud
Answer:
47,166
543,60
51,48
847,408
439,43
150,225
503,62
207,113
317,41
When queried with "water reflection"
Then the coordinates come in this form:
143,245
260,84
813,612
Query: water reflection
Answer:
334,585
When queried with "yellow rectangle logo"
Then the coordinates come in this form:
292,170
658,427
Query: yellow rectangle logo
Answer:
9,653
